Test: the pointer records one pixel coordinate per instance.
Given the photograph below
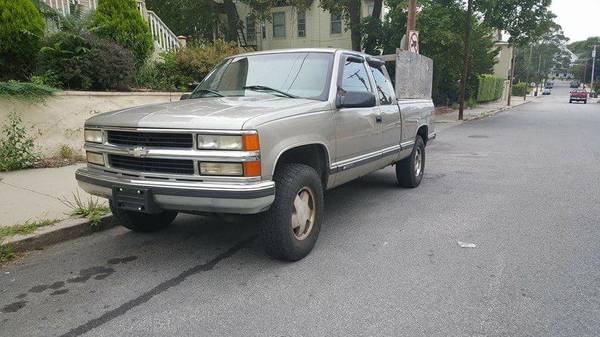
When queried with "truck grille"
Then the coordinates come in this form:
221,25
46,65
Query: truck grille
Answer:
152,139
155,165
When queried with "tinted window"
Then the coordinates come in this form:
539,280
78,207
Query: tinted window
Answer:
302,74
355,77
384,88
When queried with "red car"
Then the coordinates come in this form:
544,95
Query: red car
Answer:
578,95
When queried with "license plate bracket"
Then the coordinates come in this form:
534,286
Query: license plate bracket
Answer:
133,198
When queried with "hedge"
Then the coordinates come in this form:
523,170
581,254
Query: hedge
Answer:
490,88
520,89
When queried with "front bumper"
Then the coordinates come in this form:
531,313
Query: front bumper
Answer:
186,196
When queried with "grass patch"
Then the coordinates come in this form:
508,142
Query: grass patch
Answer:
26,91
6,254
26,228
92,208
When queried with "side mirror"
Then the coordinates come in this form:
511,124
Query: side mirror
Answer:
184,97
355,99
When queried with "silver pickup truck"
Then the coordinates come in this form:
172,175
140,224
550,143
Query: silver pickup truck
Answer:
265,132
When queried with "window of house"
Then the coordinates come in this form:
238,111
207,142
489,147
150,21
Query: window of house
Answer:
301,23
279,24
250,28
355,77
385,90
336,23
263,30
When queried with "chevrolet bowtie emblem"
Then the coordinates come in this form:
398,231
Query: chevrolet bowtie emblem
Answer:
138,151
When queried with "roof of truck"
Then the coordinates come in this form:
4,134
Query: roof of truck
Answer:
303,50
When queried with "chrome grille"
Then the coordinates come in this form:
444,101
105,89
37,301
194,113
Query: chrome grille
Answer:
151,139
152,165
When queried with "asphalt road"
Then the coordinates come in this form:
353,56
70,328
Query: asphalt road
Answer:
524,186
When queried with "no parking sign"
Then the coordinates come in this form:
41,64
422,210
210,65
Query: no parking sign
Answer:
413,41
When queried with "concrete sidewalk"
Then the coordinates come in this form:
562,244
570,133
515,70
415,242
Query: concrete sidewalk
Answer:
481,110
36,194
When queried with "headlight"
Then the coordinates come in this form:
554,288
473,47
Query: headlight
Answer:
95,158
247,142
93,136
221,169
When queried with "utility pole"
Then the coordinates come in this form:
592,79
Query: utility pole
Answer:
466,58
412,21
511,75
593,67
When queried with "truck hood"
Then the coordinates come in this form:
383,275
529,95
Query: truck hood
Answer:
225,113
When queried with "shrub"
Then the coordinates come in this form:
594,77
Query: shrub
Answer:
163,75
520,89
34,92
490,88
121,22
197,62
21,31
85,62
16,146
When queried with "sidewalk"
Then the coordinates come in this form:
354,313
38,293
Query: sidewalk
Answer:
448,115
35,194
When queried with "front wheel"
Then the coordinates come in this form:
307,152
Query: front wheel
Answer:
409,171
142,222
291,226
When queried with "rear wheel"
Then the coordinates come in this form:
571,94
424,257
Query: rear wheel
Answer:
409,171
291,226
142,222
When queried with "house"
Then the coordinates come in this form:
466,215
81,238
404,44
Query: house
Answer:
502,67
291,27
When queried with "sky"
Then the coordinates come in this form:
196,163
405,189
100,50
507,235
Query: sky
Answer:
579,19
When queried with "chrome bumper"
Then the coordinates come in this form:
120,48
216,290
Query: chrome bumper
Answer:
218,197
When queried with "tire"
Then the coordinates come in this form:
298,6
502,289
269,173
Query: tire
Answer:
585,102
406,170
282,234
142,222
570,101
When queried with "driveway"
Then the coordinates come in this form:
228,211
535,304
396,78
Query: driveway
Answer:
523,186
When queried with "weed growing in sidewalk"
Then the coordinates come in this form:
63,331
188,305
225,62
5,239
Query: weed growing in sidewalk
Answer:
26,228
6,253
16,146
92,209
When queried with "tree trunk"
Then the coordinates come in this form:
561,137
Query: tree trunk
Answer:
354,14
228,8
377,7
466,57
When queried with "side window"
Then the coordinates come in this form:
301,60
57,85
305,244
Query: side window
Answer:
384,88
354,77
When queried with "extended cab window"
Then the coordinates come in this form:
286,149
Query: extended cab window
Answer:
354,77
384,88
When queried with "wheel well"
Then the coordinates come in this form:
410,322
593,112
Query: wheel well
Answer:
423,133
313,155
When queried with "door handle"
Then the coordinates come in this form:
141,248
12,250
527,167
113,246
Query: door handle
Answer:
378,119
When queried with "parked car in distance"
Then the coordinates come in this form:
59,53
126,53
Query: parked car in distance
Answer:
578,95
546,91
593,94
575,84
549,85
264,133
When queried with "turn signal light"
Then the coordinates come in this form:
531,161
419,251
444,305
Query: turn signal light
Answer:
250,142
252,168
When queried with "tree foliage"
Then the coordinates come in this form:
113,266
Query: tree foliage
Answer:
21,32
191,18
121,22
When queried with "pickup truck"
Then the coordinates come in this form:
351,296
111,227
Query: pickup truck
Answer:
264,133
578,95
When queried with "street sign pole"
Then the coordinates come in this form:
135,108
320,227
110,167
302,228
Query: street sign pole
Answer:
411,23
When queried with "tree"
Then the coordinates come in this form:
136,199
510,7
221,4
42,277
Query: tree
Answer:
121,22
583,49
21,32
350,11
192,18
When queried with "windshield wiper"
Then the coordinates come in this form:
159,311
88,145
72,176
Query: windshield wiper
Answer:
209,91
264,88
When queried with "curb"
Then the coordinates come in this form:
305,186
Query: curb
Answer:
495,111
59,232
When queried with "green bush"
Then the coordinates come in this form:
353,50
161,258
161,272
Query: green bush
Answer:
16,146
197,62
34,92
490,88
163,75
84,61
520,89
21,31
121,22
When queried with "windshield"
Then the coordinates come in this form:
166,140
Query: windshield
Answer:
294,75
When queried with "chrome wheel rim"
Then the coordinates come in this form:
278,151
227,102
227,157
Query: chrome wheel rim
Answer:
418,162
303,215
